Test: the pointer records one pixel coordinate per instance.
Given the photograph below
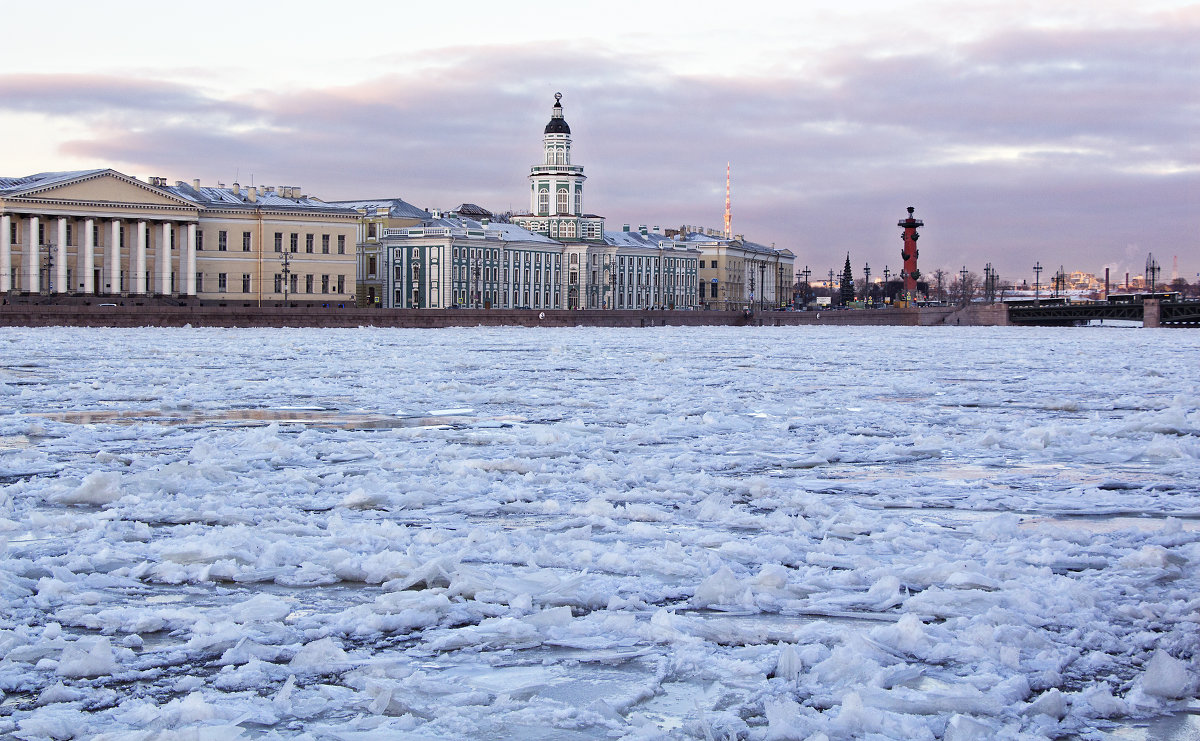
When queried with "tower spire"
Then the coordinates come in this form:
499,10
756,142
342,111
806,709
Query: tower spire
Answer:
728,214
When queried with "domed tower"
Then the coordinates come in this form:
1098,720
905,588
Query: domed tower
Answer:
556,189
555,185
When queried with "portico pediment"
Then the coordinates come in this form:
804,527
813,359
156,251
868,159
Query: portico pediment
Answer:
101,188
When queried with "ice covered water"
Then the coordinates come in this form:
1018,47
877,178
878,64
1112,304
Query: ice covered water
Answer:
577,533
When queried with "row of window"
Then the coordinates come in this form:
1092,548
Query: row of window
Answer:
222,239
327,283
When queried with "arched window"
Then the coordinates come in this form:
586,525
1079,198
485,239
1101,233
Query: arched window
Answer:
579,203
561,157
562,201
549,156
543,203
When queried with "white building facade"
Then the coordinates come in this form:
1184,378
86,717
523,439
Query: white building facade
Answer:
452,261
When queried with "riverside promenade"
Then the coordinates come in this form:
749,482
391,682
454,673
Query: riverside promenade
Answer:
154,315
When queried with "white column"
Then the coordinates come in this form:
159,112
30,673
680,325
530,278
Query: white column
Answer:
33,276
111,270
89,256
187,262
139,267
164,259
60,259
114,259
5,253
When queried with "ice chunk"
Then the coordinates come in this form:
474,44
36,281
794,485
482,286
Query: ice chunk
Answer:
722,588
59,693
98,487
1166,676
259,608
964,728
788,665
87,659
55,723
1052,703
784,721
320,656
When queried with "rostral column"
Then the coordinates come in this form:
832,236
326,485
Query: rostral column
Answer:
909,254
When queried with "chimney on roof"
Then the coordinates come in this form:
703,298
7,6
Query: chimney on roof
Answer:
252,193
643,230
624,227
656,229
237,189
196,183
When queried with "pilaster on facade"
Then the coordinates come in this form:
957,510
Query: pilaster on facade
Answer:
457,262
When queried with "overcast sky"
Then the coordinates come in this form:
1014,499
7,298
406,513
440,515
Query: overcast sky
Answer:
1059,132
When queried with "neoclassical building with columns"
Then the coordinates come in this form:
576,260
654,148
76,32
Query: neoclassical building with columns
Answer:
104,233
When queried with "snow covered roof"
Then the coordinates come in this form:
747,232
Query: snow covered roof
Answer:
699,238
396,208
461,226
9,186
265,197
649,240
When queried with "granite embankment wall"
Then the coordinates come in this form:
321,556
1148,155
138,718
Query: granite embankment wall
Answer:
50,315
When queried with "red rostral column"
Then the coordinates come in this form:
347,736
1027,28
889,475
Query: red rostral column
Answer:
909,253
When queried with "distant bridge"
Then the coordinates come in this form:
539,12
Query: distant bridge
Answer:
1151,312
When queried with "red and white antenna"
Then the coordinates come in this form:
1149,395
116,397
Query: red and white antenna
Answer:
728,215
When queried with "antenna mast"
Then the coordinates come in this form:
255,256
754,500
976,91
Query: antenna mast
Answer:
728,216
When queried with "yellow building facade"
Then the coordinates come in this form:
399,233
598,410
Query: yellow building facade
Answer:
104,233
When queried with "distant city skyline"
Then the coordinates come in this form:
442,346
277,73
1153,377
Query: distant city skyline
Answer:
1062,135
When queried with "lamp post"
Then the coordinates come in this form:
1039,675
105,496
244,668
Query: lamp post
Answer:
475,287
867,284
1037,282
750,298
762,285
287,271
49,284
962,285
807,288
779,291
612,285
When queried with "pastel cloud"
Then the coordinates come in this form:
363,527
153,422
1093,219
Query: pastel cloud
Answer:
1065,147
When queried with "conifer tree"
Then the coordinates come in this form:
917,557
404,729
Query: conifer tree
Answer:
847,283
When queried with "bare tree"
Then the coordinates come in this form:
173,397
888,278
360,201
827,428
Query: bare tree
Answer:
940,280
964,289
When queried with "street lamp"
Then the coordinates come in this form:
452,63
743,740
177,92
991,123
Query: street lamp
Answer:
962,285
287,271
867,283
762,285
49,268
1037,282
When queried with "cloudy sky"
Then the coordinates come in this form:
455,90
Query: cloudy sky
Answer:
1059,132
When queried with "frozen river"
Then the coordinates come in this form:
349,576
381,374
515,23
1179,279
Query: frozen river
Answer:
772,533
